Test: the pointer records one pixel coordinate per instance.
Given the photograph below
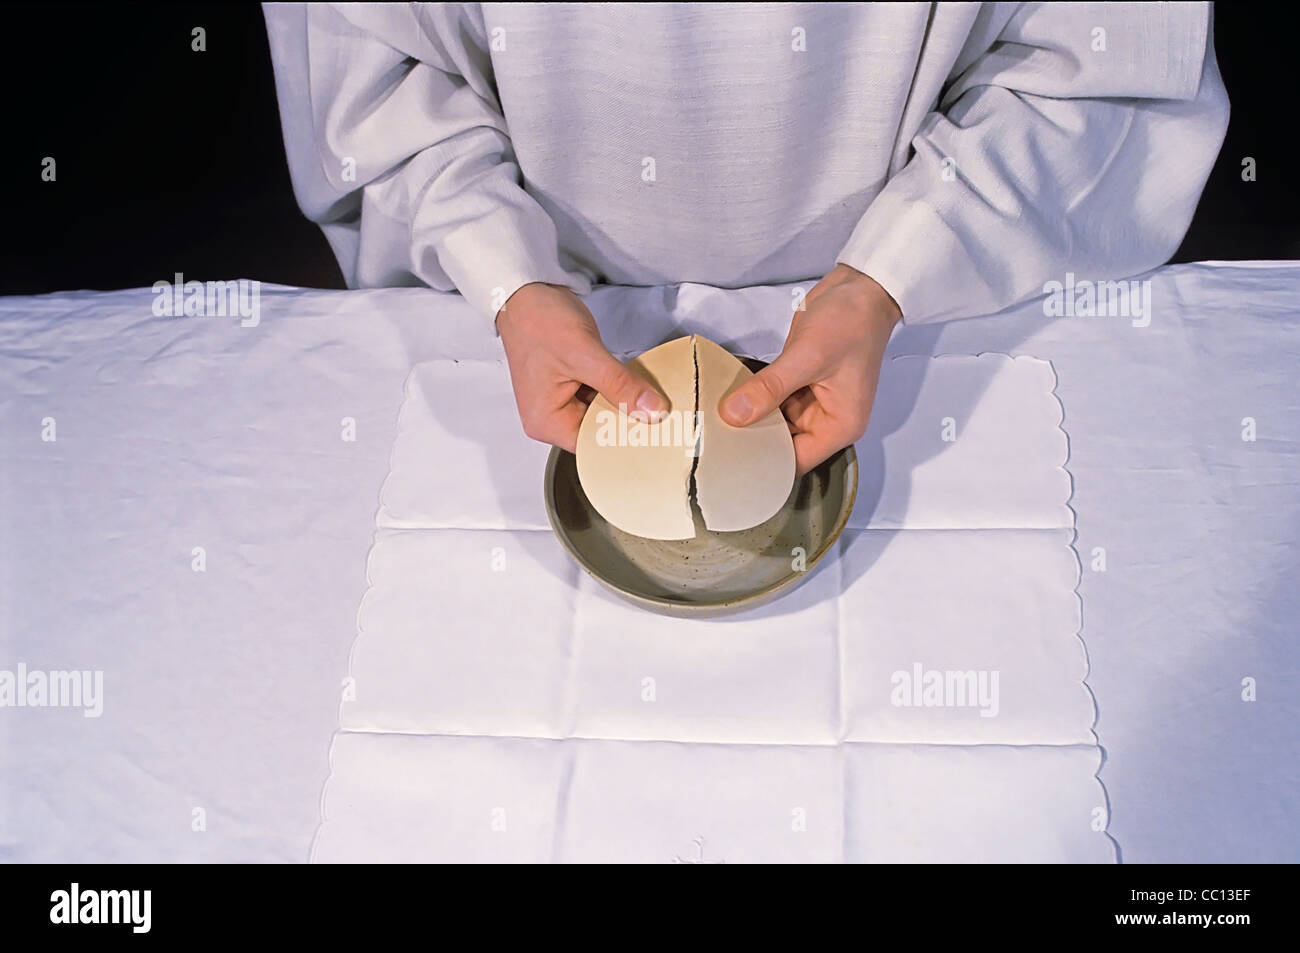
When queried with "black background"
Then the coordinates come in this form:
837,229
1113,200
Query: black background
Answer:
171,160
234,905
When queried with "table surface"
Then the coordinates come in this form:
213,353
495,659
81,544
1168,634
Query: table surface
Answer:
198,442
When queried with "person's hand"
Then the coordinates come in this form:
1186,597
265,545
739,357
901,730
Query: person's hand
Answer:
558,363
825,377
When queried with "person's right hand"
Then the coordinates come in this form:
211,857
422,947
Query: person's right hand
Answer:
558,362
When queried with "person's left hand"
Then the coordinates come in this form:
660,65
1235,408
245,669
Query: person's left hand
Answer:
825,377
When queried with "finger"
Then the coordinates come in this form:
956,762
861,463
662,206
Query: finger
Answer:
622,386
567,422
812,448
765,391
800,409
559,427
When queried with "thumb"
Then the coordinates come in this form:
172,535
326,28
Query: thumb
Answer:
761,394
625,388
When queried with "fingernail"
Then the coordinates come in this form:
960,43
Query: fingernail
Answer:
737,408
652,405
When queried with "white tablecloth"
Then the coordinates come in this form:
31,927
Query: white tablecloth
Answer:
222,687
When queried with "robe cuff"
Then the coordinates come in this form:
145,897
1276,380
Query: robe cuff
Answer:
491,257
905,245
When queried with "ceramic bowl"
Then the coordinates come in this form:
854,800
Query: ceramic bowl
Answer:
714,573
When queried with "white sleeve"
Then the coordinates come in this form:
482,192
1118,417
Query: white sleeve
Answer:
1078,139
398,148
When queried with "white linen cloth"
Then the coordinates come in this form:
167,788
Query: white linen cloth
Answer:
220,686
497,799
959,153
476,623
222,690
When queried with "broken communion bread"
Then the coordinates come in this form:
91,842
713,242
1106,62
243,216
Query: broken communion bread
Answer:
637,475
744,474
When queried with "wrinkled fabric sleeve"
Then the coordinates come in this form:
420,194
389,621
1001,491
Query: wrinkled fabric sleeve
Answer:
1078,139
399,150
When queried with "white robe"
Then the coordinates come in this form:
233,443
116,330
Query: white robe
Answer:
960,154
